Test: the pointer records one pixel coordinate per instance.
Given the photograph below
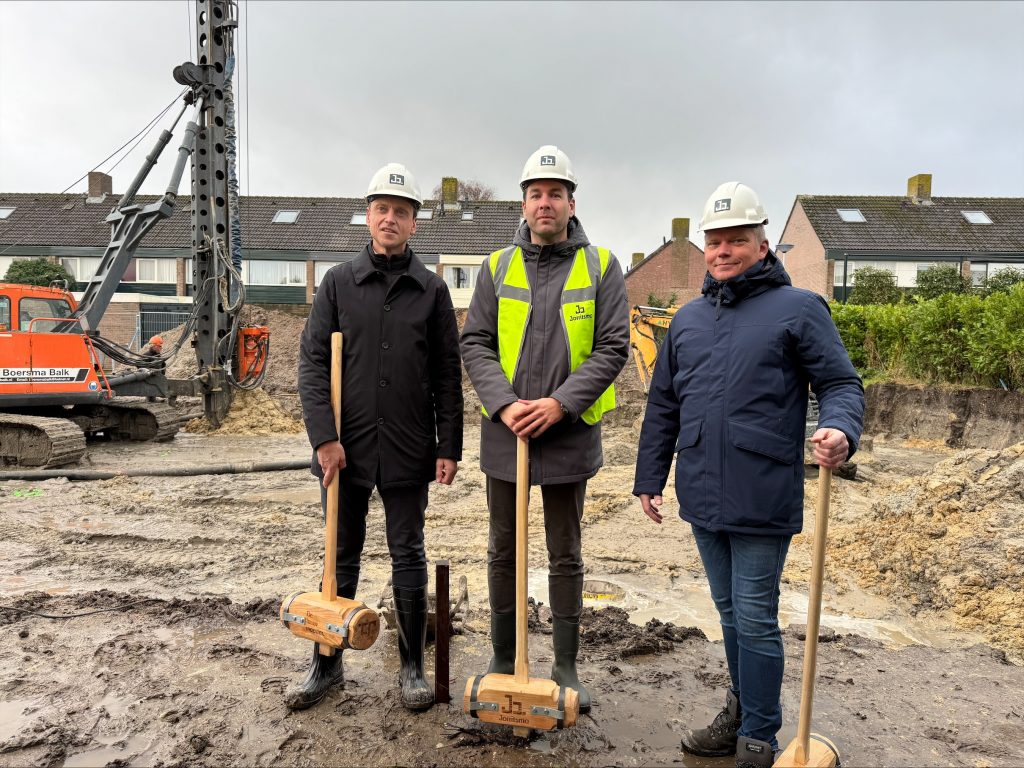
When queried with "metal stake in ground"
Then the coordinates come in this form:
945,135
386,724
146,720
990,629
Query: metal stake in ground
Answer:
811,750
442,633
337,623
519,700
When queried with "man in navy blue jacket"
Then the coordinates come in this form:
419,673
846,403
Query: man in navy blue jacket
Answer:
729,400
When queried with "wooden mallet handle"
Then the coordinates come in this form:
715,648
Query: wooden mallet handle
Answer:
329,586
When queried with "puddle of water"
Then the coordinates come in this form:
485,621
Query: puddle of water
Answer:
133,749
688,603
114,704
302,495
13,716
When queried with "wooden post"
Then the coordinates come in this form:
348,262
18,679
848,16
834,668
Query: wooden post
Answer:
442,633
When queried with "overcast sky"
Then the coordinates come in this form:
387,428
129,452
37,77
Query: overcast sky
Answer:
655,103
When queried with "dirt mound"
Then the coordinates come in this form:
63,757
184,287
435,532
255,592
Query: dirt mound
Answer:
252,412
952,540
609,634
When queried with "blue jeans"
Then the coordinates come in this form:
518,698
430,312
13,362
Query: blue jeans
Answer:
743,573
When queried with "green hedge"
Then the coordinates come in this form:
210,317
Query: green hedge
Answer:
953,339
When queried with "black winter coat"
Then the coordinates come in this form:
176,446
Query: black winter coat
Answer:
401,374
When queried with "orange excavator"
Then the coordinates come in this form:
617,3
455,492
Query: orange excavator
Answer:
53,388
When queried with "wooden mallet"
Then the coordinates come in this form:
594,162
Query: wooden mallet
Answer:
519,700
811,750
333,622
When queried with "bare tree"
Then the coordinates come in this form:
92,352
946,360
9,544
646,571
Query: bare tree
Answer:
469,189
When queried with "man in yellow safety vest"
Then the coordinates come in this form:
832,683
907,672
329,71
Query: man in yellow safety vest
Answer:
546,334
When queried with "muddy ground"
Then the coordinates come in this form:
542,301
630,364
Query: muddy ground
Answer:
194,674
175,656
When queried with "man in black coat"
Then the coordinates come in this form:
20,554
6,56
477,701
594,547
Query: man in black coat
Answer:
401,419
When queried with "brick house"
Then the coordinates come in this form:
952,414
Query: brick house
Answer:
675,268
828,237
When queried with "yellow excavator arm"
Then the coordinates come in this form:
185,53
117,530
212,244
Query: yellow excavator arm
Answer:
648,327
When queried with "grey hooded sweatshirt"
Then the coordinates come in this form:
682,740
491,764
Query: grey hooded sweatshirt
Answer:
571,449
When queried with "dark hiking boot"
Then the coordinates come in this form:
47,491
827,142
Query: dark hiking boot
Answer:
751,753
719,738
503,643
565,636
324,673
411,610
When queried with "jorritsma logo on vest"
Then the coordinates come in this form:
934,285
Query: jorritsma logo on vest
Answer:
581,314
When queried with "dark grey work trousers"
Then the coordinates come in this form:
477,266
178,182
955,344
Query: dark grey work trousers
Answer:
404,515
563,513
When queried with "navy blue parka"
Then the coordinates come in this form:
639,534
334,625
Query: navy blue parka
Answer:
729,399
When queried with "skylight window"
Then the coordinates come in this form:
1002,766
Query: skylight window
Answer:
975,217
851,215
467,215
424,213
358,218
286,217
5,212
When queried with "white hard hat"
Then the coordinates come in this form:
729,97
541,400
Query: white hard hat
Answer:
548,162
732,205
394,179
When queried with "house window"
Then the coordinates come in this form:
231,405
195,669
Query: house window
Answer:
467,215
5,313
5,212
155,271
82,268
320,269
424,213
286,217
837,278
976,217
273,272
851,215
358,218
979,273
460,277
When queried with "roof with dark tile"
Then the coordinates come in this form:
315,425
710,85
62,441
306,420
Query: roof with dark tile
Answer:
323,224
898,223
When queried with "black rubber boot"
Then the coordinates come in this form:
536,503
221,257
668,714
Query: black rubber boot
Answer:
324,673
503,643
751,753
719,738
411,610
565,636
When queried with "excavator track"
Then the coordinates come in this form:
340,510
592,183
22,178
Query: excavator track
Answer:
39,441
146,421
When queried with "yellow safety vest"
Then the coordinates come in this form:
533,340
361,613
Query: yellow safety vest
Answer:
579,299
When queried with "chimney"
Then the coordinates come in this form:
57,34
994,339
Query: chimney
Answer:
919,189
450,191
681,229
637,258
100,185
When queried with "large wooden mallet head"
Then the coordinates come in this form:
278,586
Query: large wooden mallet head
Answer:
537,703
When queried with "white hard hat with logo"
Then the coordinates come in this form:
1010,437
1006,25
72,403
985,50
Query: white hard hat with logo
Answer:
394,179
548,162
732,205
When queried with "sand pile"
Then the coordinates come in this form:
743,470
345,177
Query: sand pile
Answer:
253,412
951,540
